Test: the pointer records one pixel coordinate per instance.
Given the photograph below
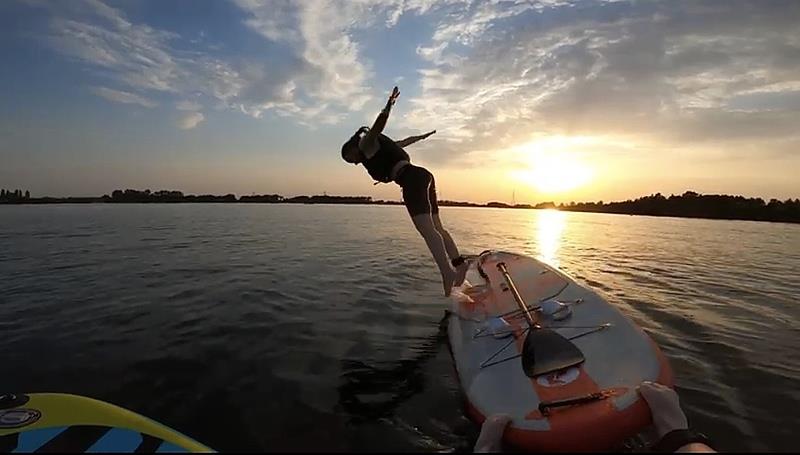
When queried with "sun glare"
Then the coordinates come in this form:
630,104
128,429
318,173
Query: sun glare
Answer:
551,164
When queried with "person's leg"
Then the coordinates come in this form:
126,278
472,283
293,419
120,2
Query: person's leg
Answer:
426,228
452,251
449,244
416,197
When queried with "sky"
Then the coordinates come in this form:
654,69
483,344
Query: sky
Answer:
541,100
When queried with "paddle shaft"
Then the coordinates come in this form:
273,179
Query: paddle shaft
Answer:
518,298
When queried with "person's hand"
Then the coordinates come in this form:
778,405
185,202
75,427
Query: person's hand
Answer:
664,406
491,437
393,97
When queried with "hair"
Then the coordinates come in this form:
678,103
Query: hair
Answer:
353,141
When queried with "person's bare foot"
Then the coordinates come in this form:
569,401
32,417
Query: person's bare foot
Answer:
491,437
461,273
448,278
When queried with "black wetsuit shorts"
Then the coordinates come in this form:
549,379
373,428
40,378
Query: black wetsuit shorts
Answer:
419,190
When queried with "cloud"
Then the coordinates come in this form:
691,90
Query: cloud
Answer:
190,120
137,55
491,74
321,78
186,105
318,33
328,65
118,96
672,73
146,60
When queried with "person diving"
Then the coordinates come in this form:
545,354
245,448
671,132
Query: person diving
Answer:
387,161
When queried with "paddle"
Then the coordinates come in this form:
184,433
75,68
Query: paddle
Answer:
544,350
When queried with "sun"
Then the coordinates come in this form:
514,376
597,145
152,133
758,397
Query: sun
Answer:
556,173
551,166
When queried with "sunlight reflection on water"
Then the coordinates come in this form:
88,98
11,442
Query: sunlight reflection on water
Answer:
549,226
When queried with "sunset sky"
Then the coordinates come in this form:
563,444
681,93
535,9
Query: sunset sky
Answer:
547,100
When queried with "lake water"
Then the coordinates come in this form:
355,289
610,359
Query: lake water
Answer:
296,327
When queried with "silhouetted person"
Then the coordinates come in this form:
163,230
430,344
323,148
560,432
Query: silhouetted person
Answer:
387,161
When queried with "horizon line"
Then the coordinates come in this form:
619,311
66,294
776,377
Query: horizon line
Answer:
325,194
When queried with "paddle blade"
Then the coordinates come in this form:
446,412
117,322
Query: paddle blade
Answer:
545,351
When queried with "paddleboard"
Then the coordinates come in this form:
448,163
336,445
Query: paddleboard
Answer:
586,407
55,422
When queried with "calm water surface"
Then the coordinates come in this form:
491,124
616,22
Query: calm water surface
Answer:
293,327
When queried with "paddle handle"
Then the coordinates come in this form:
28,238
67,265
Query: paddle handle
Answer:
518,298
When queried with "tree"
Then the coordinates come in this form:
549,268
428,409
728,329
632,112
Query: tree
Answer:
3,194
27,194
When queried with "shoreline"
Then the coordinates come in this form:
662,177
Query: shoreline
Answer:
310,201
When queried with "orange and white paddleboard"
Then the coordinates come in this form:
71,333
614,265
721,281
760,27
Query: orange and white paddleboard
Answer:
590,406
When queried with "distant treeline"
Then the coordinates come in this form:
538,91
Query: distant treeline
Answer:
694,205
689,204
136,196
14,196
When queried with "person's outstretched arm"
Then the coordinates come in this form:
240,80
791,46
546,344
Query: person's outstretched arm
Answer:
369,144
412,139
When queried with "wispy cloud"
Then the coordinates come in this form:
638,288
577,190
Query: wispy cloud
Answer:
190,120
324,77
146,60
138,56
135,55
329,66
118,96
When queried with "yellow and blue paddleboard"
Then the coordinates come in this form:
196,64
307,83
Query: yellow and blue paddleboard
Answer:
55,422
